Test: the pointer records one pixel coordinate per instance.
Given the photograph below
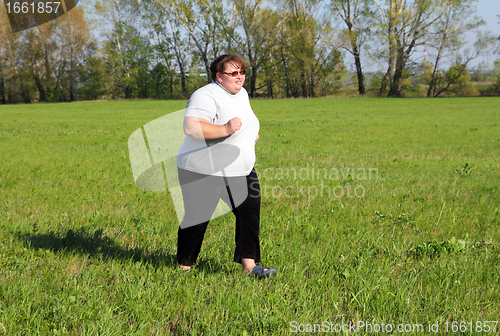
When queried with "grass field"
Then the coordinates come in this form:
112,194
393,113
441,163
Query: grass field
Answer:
375,213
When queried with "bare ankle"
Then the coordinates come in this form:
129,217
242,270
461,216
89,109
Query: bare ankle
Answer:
247,264
185,268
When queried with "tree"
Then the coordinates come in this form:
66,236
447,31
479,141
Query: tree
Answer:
497,75
449,36
126,59
203,21
10,46
405,26
3,70
123,41
39,46
357,16
250,31
305,59
93,79
270,61
460,77
173,44
161,80
458,71
3,67
166,65
76,44
55,52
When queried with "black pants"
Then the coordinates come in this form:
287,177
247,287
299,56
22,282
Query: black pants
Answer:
201,194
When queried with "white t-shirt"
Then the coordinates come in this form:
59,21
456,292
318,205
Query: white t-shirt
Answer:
230,156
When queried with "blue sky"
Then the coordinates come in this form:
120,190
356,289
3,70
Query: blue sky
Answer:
489,9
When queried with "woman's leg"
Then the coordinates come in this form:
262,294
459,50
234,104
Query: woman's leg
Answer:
247,251
189,241
201,194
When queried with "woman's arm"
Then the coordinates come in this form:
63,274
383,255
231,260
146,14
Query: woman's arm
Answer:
198,128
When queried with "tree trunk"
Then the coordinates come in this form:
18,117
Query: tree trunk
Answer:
170,73
2,89
34,70
304,82
312,85
359,71
183,80
38,81
403,56
269,83
71,77
392,52
207,68
387,78
171,83
10,98
253,80
287,80
24,91
158,86
128,91
144,87
388,75
395,90
270,93
357,58
464,66
432,84
59,77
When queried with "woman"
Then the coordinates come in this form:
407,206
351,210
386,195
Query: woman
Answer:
216,161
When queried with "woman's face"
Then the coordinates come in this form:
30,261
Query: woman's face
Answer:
232,84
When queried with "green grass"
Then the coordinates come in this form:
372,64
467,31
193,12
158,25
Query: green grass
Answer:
84,252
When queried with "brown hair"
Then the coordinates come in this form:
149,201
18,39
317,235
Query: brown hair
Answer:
219,64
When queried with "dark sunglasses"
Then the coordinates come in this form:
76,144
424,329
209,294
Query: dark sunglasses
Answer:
235,73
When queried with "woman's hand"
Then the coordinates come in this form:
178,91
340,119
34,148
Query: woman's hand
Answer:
257,138
233,125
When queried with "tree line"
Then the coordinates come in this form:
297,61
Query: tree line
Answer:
295,48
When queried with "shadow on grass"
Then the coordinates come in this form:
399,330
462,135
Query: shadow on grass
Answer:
97,245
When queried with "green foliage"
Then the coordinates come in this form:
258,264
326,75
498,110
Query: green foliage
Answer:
481,72
460,77
162,49
94,80
406,88
307,67
427,70
456,81
439,77
434,249
127,55
375,82
497,74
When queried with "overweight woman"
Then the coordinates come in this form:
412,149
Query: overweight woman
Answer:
216,161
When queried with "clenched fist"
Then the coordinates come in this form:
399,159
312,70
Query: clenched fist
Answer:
233,125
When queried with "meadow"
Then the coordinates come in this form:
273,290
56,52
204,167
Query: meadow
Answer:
378,214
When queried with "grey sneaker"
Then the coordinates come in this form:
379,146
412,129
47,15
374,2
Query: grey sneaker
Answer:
261,272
